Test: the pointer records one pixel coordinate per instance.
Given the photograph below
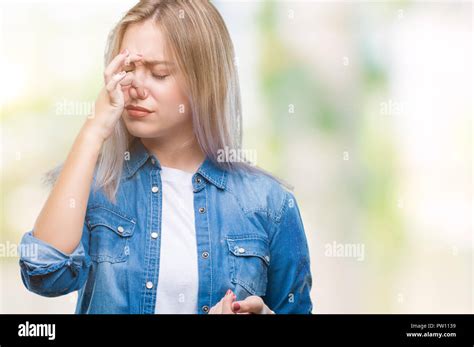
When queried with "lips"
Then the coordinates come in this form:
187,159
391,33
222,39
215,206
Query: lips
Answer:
137,111
138,108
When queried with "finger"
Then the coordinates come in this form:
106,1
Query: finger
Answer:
127,80
125,58
217,308
129,66
132,58
227,302
252,304
133,93
114,65
113,86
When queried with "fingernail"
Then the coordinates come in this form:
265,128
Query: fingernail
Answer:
125,51
235,296
228,292
236,306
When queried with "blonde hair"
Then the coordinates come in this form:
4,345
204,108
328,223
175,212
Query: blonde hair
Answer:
199,43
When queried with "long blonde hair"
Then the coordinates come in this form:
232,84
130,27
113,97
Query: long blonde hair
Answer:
199,43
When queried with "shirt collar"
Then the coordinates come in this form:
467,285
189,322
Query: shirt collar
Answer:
139,155
212,173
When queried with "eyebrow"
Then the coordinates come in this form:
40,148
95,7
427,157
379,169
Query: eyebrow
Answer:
158,62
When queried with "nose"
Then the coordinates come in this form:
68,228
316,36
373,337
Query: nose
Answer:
137,91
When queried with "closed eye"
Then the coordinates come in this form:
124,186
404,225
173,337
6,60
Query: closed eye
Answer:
132,67
160,77
129,68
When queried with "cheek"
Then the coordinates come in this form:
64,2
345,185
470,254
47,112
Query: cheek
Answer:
171,98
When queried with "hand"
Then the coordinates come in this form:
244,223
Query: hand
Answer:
252,304
225,305
110,103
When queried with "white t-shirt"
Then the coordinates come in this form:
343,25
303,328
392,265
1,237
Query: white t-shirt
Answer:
177,290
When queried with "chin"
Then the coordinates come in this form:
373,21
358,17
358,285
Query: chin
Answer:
143,130
154,128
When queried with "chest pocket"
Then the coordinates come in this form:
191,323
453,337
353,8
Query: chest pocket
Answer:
249,260
110,235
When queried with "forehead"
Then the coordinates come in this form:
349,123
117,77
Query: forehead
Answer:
145,38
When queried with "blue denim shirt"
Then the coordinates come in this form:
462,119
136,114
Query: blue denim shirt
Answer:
249,233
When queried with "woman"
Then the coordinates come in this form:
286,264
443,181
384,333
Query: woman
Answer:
169,226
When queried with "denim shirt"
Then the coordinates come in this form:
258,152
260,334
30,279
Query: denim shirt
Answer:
249,233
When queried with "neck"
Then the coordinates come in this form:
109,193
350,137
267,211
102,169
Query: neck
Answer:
181,153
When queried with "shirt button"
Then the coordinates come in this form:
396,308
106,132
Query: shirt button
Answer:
198,179
149,285
205,309
267,258
202,210
241,250
205,255
155,189
120,229
153,161
154,235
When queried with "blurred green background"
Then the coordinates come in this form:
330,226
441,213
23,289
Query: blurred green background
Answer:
364,107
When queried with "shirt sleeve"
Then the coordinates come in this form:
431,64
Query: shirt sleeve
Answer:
289,275
49,272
